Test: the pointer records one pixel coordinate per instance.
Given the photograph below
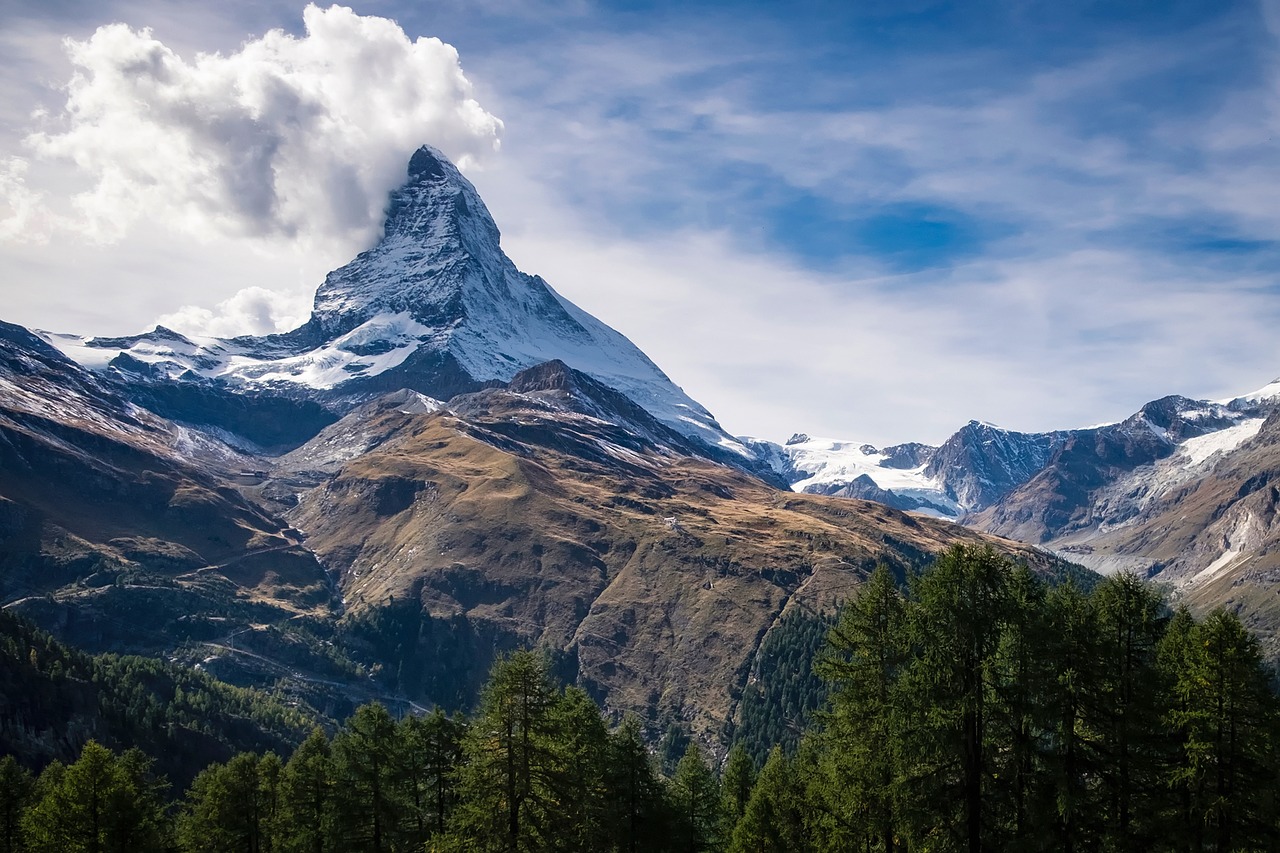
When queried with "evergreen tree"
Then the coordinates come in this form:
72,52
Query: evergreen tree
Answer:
430,753
695,800
865,660
580,779
1227,721
16,788
271,781
956,623
1126,709
735,787
307,798
229,807
636,809
365,757
1072,764
99,804
1176,656
773,821
507,783
1021,673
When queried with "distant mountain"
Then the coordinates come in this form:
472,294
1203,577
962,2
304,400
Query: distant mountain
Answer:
448,460
435,306
548,512
401,548
972,469
1181,491
1185,492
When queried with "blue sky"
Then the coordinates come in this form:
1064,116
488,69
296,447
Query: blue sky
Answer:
869,220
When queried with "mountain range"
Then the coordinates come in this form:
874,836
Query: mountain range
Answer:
450,460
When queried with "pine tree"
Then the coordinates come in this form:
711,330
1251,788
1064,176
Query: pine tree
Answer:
99,804
1017,713
735,787
773,821
1176,656
365,756
636,812
956,622
695,800
307,798
1227,720
508,800
1071,759
864,662
270,782
229,809
579,779
431,751
16,789
1126,710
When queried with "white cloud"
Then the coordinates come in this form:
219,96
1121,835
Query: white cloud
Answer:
252,311
23,216
289,138
1038,343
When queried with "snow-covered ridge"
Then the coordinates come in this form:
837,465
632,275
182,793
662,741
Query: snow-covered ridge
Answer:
1267,392
377,345
858,469
435,305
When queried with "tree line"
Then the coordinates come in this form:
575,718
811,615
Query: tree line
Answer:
974,707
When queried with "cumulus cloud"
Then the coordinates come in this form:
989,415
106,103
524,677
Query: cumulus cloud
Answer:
292,138
252,311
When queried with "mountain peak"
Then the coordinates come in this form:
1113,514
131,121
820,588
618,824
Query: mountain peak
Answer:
434,306
427,163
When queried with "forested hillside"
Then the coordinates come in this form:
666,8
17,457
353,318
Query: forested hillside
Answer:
978,709
54,698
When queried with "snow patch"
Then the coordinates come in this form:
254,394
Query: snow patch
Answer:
1199,449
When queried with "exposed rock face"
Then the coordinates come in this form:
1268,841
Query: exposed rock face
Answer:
981,463
552,511
540,517
1066,495
121,527
435,306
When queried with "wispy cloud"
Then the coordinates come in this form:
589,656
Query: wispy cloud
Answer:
876,219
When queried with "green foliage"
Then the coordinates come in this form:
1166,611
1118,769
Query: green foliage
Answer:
774,820
635,807
736,782
102,802
428,659
985,712
365,755
695,799
16,787
307,798
1226,718
784,691
431,748
232,807
56,698
861,740
980,709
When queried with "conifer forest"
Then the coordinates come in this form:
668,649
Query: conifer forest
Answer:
973,706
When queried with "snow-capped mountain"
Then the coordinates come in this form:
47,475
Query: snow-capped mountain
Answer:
1029,486
972,469
435,306
897,476
1092,480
